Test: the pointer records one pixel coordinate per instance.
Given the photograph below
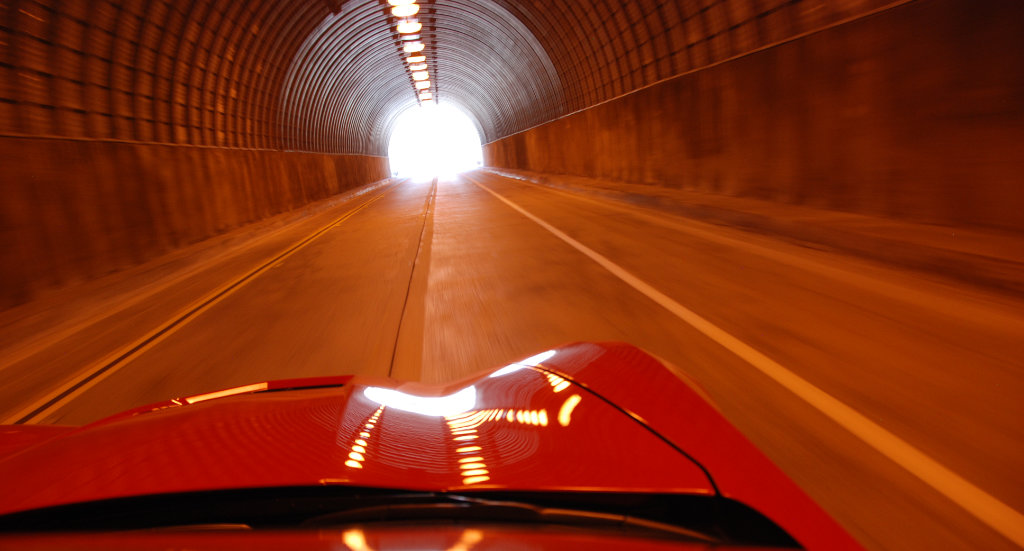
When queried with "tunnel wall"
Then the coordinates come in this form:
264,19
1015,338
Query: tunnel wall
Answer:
914,112
73,210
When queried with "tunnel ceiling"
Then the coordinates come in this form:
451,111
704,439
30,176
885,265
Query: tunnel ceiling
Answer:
329,75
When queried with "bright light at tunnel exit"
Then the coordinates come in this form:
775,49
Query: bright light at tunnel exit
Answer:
433,141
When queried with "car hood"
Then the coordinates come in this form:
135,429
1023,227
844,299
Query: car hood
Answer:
519,427
597,417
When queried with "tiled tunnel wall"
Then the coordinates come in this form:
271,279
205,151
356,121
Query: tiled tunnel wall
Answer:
136,90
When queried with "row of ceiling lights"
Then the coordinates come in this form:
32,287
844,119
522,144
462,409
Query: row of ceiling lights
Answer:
409,27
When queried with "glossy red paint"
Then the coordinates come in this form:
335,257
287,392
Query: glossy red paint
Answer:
268,386
682,414
14,438
489,432
546,423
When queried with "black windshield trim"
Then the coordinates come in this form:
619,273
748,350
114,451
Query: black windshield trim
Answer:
289,507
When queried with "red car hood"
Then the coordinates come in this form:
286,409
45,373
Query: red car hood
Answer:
586,417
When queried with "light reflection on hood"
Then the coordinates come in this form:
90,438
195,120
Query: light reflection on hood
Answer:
528,362
435,406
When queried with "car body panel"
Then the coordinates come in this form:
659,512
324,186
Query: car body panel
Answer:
584,417
494,432
14,438
682,413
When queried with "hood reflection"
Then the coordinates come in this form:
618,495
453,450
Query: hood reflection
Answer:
435,406
565,412
359,446
532,361
471,431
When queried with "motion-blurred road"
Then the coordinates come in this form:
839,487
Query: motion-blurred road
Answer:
434,281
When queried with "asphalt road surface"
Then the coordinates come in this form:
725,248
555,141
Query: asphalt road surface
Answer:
893,399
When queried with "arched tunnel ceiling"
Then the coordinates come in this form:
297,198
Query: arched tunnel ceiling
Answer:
346,77
489,62
328,75
348,81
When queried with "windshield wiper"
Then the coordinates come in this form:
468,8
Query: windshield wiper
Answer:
700,518
464,508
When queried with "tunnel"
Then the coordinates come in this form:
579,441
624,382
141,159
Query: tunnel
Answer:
756,191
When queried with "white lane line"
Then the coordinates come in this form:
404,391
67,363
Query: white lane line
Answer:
911,293
986,508
111,363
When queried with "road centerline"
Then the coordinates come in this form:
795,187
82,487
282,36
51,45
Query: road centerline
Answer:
416,263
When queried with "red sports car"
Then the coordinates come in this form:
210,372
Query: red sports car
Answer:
586,446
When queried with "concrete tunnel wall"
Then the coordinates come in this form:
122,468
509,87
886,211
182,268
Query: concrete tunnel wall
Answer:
111,205
915,112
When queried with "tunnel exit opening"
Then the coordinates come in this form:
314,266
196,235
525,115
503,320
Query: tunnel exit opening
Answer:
433,141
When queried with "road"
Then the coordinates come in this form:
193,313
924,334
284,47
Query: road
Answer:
434,281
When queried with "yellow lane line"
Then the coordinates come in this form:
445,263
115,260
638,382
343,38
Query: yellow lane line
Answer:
111,363
35,344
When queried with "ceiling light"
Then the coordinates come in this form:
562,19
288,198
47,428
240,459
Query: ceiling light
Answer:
416,58
423,85
405,10
401,2
414,47
420,75
426,95
419,67
409,26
